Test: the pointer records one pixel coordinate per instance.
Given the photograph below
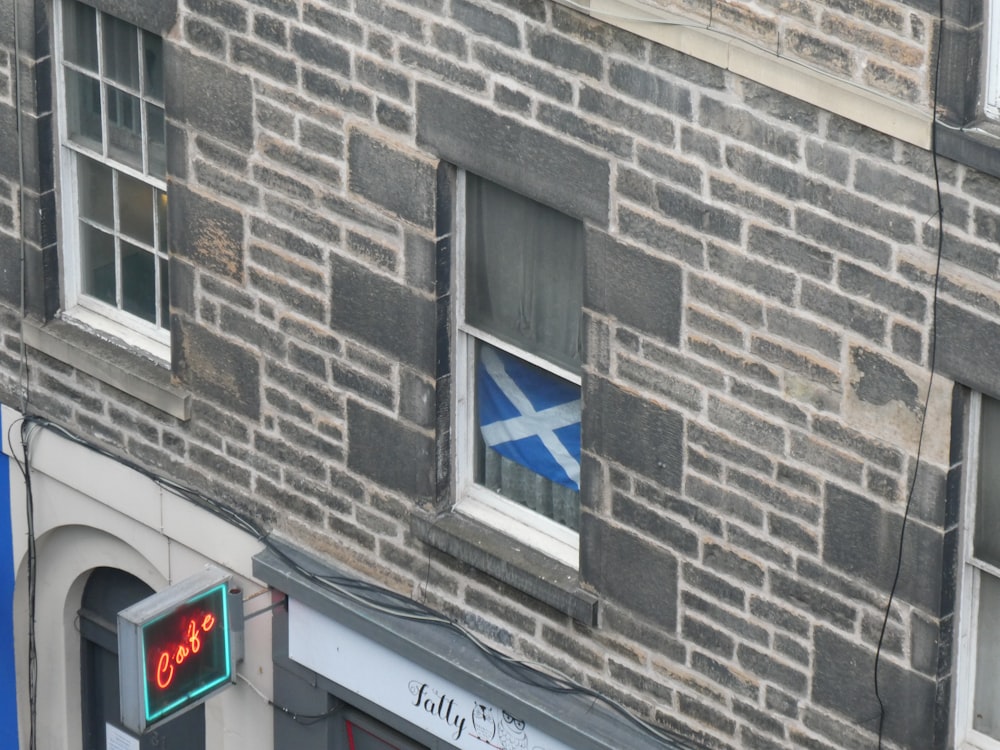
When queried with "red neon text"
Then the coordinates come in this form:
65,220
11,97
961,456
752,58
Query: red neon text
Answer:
176,654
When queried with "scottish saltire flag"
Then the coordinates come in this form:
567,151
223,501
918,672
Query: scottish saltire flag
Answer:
530,416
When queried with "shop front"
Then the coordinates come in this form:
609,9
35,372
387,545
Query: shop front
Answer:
358,668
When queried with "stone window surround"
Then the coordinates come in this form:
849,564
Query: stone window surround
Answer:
962,132
135,176
460,536
77,345
547,178
533,162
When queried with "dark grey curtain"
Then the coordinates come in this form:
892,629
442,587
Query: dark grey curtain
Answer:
524,272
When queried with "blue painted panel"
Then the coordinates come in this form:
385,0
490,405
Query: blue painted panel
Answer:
8,683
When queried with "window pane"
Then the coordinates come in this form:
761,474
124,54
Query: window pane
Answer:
121,52
135,208
156,141
124,127
80,35
528,445
986,541
524,272
138,282
152,47
164,293
95,191
986,706
97,273
83,109
161,221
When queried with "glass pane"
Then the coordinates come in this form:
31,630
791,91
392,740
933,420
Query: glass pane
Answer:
121,52
97,270
135,208
164,293
138,282
528,445
80,35
83,109
152,48
524,272
987,535
157,141
124,127
986,705
96,192
161,221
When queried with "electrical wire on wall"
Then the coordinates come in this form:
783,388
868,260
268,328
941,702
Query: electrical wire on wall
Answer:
370,596
932,357
31,562
25,429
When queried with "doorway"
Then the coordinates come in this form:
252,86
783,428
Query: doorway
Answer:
108,591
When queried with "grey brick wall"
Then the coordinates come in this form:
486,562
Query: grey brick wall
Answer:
759,307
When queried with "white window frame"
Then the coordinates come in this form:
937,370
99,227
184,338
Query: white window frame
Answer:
472,499
91,312
991,98
971,571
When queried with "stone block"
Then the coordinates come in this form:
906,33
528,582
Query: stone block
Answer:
742,124
843,682
862,539
653,90
216,368
384,314
961,353
389,453
535,77
637,433
391,178
10,269
7,29
880,381
564,53
319,50
157,16
485,22
209,96
205,233
638,289
9,142
633,572
566,122
513,154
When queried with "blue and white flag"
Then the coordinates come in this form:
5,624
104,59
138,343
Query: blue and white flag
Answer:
530,416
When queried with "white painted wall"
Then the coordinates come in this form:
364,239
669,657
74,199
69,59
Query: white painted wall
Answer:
91,511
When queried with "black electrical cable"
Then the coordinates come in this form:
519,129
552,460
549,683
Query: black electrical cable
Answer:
31,573
932,362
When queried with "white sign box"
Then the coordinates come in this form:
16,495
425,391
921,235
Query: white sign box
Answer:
392,681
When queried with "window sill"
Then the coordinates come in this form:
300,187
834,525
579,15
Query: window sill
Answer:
976,145
509,561
110,363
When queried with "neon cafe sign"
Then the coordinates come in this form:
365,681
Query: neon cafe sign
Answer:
176,648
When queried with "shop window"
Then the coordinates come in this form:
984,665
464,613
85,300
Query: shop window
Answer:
358,731
112,146
518,305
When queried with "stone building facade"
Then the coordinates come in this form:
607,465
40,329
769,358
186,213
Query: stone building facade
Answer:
790,297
